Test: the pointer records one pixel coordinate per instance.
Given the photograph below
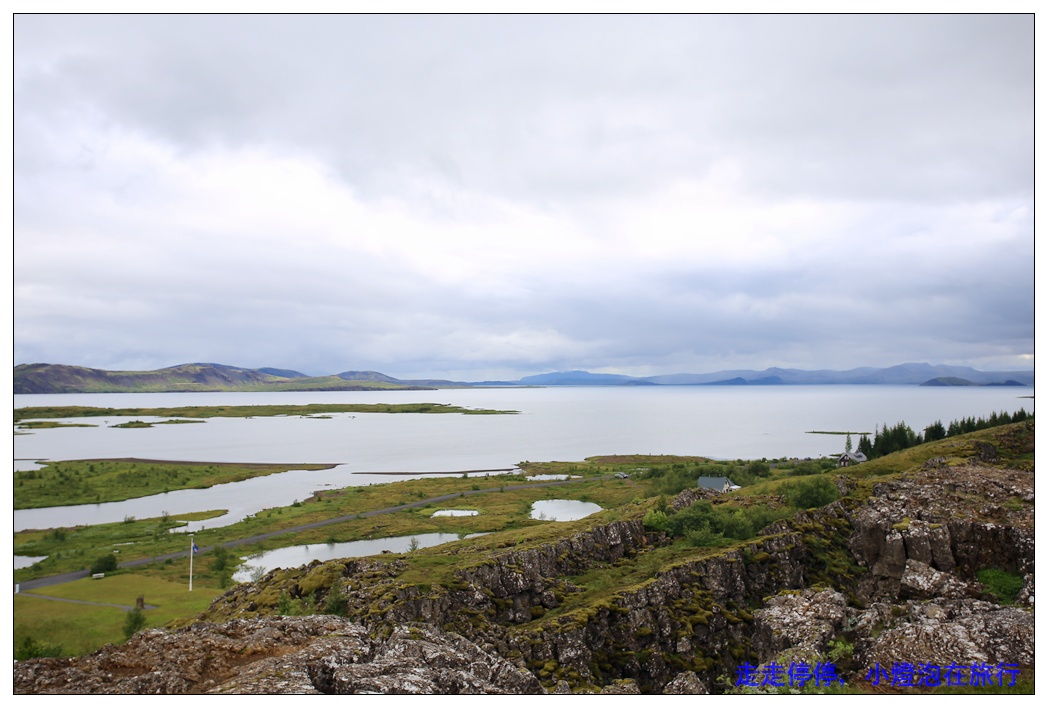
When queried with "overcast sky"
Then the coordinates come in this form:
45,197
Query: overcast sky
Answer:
487,197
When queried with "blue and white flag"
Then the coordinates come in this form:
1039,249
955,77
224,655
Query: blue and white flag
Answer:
195,548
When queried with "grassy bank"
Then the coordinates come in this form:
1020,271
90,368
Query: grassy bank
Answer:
68,483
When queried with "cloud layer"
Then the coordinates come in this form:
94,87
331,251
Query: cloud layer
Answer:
492,196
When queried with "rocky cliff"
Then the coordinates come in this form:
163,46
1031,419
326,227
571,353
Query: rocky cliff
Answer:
888,574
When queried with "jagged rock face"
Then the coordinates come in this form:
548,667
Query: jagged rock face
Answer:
944,631
953,520
695,610
688,497
531,573
280,655
686,683
921,581
423,662
798,624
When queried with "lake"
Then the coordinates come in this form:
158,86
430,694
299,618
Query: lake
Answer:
556,423
561,510
304,554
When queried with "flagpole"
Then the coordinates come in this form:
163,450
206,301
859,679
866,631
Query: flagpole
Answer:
191,546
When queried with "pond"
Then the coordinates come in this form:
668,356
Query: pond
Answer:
563,510
298,555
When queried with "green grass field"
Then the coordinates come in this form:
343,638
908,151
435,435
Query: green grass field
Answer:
82,628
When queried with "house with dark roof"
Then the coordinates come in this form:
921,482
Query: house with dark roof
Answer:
720,484
849,458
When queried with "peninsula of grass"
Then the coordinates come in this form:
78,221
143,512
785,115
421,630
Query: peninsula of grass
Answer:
68,483
834,432
204,411
139,424
48,424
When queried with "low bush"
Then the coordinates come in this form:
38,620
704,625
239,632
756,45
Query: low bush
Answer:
810,493
28,648
704,524
105,563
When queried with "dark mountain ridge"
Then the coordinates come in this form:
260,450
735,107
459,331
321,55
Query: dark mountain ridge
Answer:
195,377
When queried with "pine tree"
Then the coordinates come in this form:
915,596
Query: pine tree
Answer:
865,446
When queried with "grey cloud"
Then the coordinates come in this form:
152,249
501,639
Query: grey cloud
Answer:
912,132
549,107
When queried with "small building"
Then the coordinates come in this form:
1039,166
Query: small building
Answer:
849,458
720,484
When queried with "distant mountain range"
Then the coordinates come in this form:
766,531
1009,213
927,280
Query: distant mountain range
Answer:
200,377
904,374
208,377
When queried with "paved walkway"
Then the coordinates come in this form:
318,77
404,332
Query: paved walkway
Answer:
31,584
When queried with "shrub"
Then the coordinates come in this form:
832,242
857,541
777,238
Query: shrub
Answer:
737,525
805,468
284,605
133,622
219,559
810,493
105,563
28,648
656,520
759,468
703,536
336,600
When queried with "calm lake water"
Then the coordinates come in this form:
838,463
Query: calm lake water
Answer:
562,510
564,423
304,554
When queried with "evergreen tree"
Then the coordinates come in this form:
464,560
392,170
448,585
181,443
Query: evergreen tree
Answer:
133,622
934,431
865,446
